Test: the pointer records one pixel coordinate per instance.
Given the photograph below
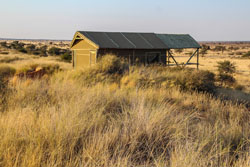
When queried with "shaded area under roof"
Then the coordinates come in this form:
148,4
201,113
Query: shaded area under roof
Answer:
178,41
125,40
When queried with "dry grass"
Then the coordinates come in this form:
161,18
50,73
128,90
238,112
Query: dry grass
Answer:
61,121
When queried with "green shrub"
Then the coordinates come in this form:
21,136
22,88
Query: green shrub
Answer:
16,45
246,55
66,57
226,67
54,51
22,50
43,51
30,48
202,81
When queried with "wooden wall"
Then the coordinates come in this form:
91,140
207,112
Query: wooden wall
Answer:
84,54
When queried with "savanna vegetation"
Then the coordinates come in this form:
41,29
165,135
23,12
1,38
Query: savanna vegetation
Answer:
113,114
32,49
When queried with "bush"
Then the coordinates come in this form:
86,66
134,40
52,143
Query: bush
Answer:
4,44
43,51
185,79
22,50
233,48
66,57
202,81
54,51
246,55
17,45
30,48
220,48
226,67
226,79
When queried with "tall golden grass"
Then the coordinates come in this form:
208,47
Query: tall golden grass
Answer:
62,121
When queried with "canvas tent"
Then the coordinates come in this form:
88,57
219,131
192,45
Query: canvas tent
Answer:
136,48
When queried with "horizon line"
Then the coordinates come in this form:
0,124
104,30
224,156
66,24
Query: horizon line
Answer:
44,39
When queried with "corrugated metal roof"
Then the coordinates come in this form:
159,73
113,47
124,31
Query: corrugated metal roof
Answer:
178,41
125,40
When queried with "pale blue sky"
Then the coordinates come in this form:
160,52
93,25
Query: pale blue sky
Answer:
59,19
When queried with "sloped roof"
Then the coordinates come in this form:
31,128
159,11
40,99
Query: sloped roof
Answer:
178,41
128,40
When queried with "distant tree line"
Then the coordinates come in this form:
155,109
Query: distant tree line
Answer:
65,54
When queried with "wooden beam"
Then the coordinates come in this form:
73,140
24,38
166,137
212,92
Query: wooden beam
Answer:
173,58
192,64
198,59
190,58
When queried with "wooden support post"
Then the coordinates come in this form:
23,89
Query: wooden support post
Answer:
198,59
167,58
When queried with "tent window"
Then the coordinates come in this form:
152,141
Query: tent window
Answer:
152,57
